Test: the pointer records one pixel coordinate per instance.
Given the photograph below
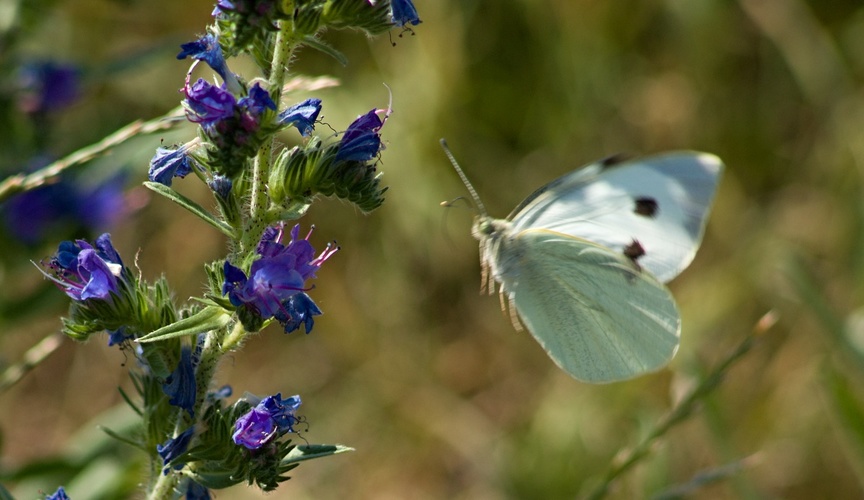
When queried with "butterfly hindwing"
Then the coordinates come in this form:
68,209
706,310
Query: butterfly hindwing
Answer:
659,203
596,314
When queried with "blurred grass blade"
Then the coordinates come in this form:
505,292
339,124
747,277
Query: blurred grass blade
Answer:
813,298
20,183
704,478
35,355
628,458
850,413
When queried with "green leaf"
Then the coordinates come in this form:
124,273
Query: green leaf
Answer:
209,318
311,41
192,207
310,451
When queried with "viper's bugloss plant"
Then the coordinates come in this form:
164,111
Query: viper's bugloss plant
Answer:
195,441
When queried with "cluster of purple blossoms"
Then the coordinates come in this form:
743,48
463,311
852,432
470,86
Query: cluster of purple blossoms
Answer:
276,283
236,127
270,418
85,271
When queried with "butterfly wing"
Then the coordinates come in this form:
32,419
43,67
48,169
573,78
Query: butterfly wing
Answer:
658,203
598,316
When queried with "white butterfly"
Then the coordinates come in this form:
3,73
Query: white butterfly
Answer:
584,258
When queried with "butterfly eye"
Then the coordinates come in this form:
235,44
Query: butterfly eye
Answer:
646,206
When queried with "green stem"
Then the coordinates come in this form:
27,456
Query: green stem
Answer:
164,487
286,43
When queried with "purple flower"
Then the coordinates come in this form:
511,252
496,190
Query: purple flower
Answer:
60,494
206,49
271,417
403,12
302,115
221,7
169,163
254,428
85,272
174,447
276,277
208,104
362,140
48,86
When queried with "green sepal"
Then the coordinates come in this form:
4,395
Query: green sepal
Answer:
299,174
192,207
209,318
307,16
310,451
353,14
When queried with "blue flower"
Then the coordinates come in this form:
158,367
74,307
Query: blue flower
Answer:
174,447
85,272
403,12
195,491
298,310
302,115
276,277
221,186
257,101
48,86
362,140
180,386
270,418
206,49
119,336
169,163
69,204
60,494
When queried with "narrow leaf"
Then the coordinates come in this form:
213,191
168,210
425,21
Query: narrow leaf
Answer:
192,207
310,451
311,41
209,318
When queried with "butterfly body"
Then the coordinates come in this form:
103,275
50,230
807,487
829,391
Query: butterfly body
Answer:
583,260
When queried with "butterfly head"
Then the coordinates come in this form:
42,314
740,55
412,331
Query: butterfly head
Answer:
486,227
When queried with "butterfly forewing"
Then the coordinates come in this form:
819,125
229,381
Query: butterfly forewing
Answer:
658,203
597,316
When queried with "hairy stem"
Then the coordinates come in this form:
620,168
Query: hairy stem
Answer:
286,43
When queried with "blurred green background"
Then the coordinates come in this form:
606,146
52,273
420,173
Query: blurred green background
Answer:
410,365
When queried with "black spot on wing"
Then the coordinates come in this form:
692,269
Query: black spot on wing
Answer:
645,206
634,250
613,160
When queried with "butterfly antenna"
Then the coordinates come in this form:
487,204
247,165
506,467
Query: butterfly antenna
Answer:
464,178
